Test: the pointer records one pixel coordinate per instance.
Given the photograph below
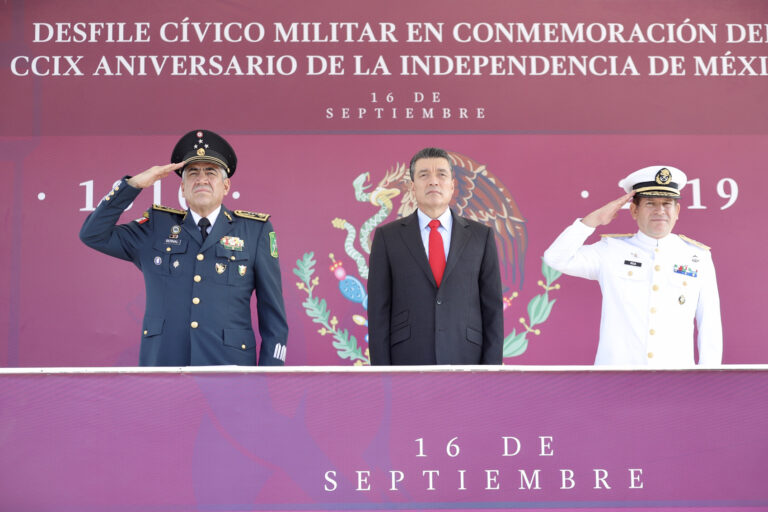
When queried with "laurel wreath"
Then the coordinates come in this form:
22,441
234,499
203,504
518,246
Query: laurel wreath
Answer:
317,309
346,345
539,309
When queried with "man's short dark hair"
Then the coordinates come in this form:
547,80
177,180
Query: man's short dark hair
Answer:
431,153
636,199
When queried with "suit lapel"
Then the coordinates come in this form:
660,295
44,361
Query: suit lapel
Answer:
459,238
412,238
191,228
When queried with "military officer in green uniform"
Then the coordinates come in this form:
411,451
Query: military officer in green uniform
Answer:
201,266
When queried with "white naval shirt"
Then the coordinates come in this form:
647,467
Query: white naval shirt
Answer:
652,290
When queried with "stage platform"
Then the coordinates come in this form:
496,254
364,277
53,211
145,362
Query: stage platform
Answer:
362,438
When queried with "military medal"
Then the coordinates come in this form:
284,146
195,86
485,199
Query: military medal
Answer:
681,299
241,269
175,230
685,270
232,243
158,260
220,268
176,264
144,218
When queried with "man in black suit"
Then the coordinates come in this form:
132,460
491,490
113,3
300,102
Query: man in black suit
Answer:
424,307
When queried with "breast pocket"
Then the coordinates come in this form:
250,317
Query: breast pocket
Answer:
166,252
233,266
630,279
686,288
631,273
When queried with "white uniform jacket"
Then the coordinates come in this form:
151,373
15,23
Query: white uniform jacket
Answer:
652,290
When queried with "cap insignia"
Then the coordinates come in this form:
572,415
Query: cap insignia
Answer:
200,152
663,176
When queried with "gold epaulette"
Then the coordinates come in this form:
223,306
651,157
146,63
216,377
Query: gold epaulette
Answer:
622,235
262,217
694,242
168,209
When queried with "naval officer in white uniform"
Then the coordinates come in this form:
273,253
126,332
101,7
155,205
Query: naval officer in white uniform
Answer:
654,283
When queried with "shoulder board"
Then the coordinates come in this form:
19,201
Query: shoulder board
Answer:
167,209
694,242
263,217
622,235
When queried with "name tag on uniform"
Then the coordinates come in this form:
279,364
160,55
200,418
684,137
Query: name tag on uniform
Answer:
172,241
633,263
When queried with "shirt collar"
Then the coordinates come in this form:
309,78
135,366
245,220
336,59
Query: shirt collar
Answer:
211,217
649,241
446,219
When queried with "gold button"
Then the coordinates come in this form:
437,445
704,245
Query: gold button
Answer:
653,310
655,287
193,325
196,301
650,355
685,283
629,273
106,198
197,278
652,332
243,346
167,249
657,268
232,258
200,257
146,332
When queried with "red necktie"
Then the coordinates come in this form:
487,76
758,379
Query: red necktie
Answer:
436,251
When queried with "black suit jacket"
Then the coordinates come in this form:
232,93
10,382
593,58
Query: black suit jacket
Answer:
411,320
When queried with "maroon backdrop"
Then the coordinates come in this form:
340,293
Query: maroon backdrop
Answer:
558,144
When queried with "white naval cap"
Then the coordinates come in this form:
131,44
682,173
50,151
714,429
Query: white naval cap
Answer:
655,181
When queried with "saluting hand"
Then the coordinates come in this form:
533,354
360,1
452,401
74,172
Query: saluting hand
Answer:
150,176
603,216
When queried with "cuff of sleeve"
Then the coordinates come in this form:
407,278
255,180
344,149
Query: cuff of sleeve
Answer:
128,185
583,228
